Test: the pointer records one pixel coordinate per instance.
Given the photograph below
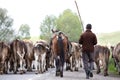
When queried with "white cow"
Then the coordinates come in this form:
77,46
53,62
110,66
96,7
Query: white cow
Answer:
75,59
39,51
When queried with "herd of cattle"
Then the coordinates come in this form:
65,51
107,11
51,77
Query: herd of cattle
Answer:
20,56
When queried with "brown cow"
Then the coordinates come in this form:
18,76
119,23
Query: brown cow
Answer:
101,54
116,56
18,52
40,51
4,57
75,59
29,57
59,48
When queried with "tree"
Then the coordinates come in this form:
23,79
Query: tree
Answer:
24,32
6,30
45,28
68,22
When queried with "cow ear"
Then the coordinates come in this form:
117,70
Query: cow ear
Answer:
52,31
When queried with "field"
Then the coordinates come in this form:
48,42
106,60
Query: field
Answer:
109,38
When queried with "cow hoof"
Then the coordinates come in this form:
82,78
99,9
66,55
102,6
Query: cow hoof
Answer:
15,72
76,69
1,72
106,74
67,68
98,71
119,73
52,66
6,72
46,69
71,70
29,70
22,72
81,66
36,72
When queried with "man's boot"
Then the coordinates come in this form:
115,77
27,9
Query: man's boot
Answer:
87,74
91,68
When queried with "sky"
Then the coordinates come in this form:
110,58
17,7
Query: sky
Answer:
104,15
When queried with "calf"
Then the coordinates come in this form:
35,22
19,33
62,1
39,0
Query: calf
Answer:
101,54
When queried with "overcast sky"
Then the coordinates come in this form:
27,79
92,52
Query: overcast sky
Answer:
104,15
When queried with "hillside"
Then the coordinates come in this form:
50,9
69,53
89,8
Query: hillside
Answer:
109,38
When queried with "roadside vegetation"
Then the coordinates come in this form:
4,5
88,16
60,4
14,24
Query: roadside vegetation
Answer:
109,39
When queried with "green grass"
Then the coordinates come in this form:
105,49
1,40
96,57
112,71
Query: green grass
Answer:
109,38
111,67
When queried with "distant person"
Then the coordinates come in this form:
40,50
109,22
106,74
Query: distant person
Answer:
88,40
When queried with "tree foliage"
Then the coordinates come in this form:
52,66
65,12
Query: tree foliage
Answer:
24,32
68,22
45,28
6,30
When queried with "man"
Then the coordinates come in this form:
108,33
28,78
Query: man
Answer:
88,40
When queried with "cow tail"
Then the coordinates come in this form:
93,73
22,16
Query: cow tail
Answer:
15,46
61,48
2,45
107,53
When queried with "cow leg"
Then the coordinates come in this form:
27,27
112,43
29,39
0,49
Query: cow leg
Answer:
61,64
106,68
106,71
6,67
98,67
52,62
57,62
47,63
40,66
81,63
29,63
36,63
61,71
71,63
15,67
76,65
21,66
36,66
1,67
43,63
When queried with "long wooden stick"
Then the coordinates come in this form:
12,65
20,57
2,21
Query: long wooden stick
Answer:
79,16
